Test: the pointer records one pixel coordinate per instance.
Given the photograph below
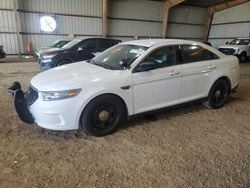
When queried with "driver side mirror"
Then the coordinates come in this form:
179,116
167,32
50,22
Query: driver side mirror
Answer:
146,66
227,42
80,49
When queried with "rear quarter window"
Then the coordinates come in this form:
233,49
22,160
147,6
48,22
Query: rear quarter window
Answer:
195,53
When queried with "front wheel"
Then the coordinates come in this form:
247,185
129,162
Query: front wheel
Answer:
218,94
243,57
102,115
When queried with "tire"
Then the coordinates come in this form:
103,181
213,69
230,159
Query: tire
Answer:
102,115
218,94
63,62
243,57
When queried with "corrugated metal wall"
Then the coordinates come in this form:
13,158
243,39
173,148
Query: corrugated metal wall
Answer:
73,17
230,23
135,18
76,7
127,19
187,22
8,29
143,19
7,4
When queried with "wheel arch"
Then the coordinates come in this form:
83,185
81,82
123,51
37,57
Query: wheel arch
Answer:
243,51
125,107
226,78
65,59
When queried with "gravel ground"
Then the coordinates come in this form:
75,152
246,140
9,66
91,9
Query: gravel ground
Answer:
186,147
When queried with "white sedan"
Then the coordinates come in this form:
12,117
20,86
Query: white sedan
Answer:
131,78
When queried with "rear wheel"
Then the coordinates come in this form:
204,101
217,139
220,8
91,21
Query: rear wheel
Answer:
218,94
243,57
63,62
102,115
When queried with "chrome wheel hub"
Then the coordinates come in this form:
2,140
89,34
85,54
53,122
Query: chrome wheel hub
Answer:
217,93
104,116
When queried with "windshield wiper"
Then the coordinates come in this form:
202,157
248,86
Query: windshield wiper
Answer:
101,65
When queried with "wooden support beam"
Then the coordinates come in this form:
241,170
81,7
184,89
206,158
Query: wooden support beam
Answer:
216,8
210,15
18,26
104,18
223,6
165,20
167,4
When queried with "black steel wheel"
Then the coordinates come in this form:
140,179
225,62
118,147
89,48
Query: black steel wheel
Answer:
102,115
243,57
218,94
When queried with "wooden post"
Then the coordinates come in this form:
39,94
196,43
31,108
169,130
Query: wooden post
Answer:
165,19
216,8
167,4
210,15
104,17
18,28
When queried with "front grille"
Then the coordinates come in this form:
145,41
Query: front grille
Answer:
31,95
227,51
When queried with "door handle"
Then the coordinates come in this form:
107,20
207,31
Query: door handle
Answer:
174,73
212,67
204,71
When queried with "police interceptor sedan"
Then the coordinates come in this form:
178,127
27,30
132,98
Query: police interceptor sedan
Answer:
131,78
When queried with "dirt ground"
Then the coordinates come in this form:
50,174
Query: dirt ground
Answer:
187,147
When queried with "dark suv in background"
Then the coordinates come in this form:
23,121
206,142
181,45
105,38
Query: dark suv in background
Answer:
76,50
2,53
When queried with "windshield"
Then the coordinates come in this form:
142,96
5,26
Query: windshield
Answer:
59,44
71,44
119,57
240,41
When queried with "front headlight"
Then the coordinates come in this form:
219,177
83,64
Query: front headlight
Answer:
58,95
46,60
49,56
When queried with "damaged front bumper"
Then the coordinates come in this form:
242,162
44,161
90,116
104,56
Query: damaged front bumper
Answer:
21,103
53,115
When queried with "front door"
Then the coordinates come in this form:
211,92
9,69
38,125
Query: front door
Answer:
159,87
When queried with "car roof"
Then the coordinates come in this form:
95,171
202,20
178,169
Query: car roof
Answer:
84,38
152,42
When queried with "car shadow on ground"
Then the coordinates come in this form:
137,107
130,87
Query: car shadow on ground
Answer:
163,114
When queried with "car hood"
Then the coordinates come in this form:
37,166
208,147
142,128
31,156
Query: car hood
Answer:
43,48
50,51
72,76
232,46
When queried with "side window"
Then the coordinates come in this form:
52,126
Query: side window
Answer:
163,57
194,53
106,43
88,44
61,44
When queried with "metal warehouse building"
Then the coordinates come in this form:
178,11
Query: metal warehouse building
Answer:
125,93
125,20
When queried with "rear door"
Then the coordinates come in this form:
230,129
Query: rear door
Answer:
197,70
